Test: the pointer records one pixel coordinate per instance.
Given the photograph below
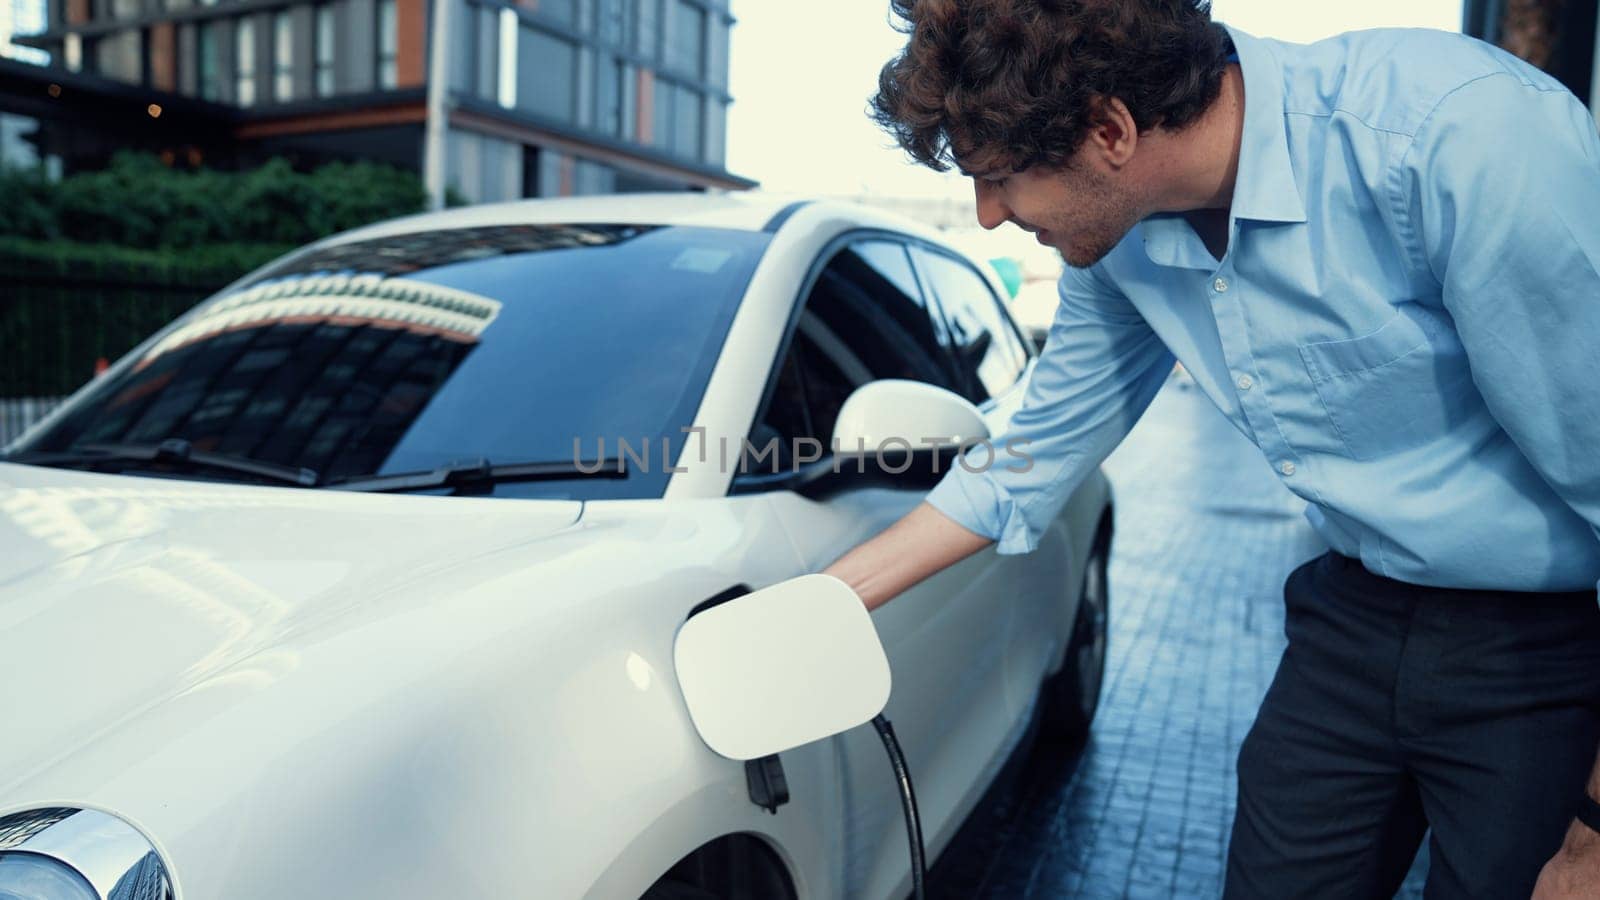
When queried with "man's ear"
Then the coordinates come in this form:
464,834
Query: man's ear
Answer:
1113,136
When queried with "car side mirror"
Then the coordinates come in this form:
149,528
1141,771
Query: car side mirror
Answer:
891,433
781,667
910,411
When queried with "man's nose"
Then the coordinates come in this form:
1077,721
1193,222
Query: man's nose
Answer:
992,211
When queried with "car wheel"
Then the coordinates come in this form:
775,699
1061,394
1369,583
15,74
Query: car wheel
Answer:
677,890
1071,695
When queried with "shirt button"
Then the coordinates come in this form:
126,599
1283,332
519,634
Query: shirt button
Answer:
1286,467
1245,382
1221,284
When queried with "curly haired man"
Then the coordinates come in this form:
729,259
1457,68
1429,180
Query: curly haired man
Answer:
1379,256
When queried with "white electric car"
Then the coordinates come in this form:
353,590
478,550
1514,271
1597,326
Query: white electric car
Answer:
361,578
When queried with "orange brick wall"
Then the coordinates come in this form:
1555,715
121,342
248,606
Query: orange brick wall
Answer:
163,57
569,175
411,32
647,105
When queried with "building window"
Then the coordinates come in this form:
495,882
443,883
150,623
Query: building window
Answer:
717,52
647,30
630,103
324,39
487,53
593,178
464,18
688,123
20,141
485,169
661,121
563,11
210,67
678,120
506,75
613,23
388,45
530,171
282,57
716,130
609,76
686,51
28,18
546,69
244,56
502,170
120,56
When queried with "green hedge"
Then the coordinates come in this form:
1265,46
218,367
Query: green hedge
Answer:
139,202
94,263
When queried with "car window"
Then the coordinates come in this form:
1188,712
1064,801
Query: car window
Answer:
865,319
892,260
516,343
809,392
867,298
987,349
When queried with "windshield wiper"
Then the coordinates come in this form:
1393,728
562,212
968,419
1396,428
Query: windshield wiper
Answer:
174,451
478,475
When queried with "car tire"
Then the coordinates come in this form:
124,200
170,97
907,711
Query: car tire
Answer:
1072,694
678,890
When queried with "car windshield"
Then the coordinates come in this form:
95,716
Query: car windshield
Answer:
507,344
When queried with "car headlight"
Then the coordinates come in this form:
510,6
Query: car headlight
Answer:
28,876
78,854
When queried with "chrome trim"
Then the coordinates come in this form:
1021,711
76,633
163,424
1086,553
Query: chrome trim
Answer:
116,859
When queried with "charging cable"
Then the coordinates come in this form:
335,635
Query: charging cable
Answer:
908,800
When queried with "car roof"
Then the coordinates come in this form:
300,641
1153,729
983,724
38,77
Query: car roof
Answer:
743,210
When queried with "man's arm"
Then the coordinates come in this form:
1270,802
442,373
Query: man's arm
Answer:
1100,368
1505,189
922,543
1506,202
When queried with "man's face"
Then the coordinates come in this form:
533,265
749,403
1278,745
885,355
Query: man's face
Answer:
1080,210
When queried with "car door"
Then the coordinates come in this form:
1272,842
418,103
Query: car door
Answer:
865,318
993,363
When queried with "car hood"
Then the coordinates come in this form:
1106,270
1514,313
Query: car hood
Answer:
119,592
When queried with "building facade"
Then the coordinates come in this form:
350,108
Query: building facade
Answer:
19,17
545,97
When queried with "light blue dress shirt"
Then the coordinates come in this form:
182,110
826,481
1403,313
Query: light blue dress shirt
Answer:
1406,320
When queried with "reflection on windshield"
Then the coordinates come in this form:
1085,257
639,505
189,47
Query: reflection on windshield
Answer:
342,299
402,353
403,253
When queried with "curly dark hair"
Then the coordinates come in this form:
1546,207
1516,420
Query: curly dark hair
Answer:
997,86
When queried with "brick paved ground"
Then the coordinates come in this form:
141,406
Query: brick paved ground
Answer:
1206,535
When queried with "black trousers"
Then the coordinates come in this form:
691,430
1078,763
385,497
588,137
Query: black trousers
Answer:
1397,708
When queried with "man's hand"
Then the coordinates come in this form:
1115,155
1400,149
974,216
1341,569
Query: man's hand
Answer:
1575,869
1574,872
923,542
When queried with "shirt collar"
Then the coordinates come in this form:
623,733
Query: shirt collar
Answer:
1265,189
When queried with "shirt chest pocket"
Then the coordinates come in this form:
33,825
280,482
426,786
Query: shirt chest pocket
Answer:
1395,388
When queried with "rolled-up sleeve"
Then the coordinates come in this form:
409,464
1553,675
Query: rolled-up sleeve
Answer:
1513,235
1099,370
